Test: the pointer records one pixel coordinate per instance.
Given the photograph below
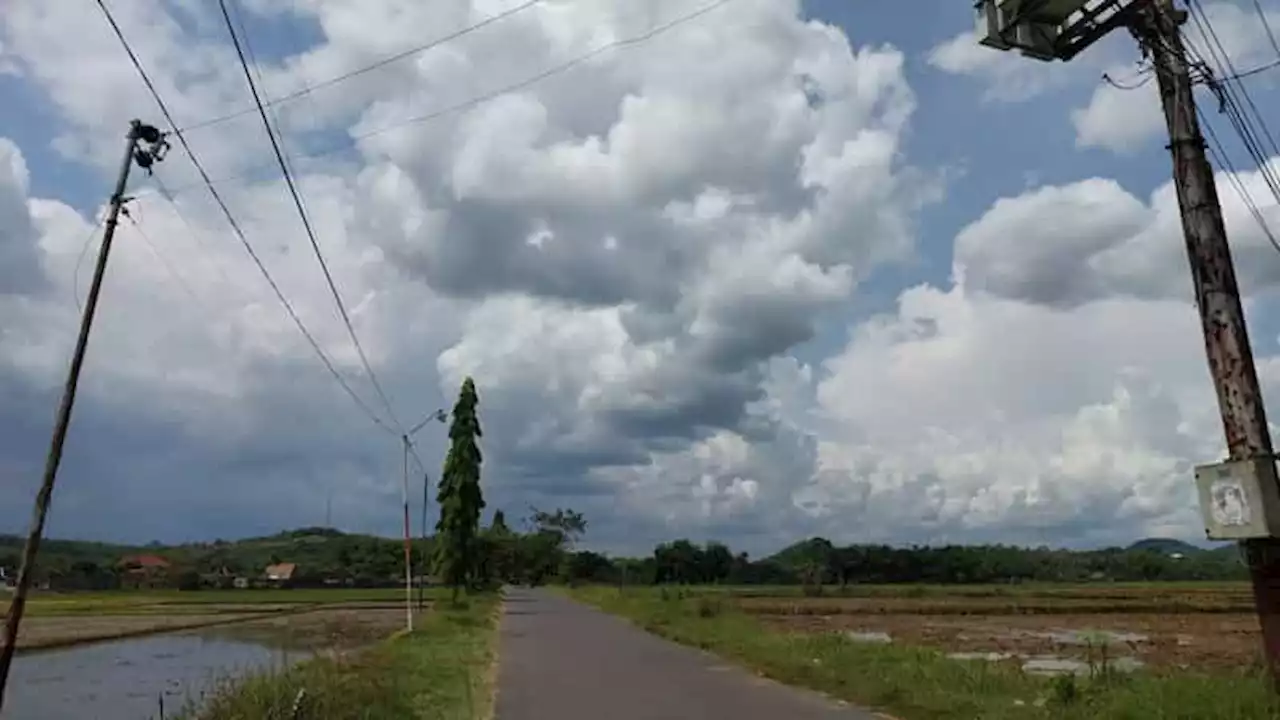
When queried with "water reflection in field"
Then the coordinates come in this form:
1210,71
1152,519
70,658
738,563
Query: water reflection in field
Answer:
128,679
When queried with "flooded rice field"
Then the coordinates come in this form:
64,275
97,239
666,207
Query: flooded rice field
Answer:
132,679
1059,640
1188,641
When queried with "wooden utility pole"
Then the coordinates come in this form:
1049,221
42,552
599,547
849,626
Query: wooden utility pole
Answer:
9,642
1226,338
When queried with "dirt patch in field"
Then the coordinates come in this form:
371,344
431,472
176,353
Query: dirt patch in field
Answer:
1013,604
289,627
56,631
328,629
1206,641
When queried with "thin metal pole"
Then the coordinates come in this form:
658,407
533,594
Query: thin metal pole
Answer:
18,603
408,552
425,498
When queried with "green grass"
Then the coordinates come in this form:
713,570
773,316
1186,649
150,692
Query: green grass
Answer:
442,671
921,684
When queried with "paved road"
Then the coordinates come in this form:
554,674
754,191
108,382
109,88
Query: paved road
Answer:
561,660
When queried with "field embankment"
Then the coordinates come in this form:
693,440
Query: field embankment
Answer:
441,671
935,653
62,620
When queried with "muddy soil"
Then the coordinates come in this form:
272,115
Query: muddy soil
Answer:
40,631
1150,603
335,629
294,626
1201,641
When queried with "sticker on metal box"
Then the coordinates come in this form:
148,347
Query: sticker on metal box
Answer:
1230,506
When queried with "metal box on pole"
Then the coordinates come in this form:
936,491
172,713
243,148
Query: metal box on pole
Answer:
1239,499
1048,29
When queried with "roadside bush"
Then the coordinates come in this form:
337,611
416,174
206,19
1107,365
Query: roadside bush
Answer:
1065,690
709,607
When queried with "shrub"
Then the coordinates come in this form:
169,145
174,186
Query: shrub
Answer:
709,607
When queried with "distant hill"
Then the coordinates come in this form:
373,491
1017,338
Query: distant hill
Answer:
814,550
1168,546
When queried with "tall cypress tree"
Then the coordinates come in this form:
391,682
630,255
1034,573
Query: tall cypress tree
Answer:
459,497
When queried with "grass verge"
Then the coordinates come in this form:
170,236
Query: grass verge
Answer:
441,671
921,684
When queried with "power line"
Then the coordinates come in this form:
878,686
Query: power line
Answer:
1223,160
1253,71
156,252
196,236
479,100
257,74
413,451
302,213
1206,27
1266,24
1229,94
1144,77
75,274
1228,91
368,68
235,226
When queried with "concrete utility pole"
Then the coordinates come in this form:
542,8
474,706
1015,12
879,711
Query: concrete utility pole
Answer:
138,132
1226,338
1239,498
406,442
408,548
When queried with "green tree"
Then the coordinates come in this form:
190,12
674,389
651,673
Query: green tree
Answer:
551,537
459,497
717,563
500,552
565,524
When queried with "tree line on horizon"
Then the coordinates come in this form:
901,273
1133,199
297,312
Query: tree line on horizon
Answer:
540,548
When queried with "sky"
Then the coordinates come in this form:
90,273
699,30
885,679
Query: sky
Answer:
779,270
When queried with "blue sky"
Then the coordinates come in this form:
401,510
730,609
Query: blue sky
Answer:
797,361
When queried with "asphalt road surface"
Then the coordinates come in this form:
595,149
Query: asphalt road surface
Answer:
562,660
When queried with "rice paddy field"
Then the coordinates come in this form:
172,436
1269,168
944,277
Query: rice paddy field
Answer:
59,620
241,654
917,652
1179,626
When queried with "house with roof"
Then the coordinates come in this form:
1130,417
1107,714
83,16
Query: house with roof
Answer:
280,574
143,571
220,579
